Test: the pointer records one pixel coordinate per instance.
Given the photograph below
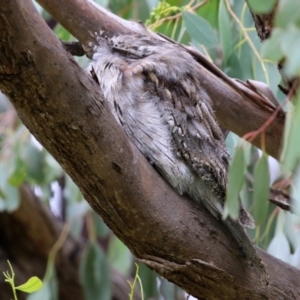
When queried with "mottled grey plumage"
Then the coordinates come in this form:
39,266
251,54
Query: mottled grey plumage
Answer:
155,94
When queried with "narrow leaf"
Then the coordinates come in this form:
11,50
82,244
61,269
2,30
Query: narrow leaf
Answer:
94,273
225,31
287,13
200,30
261,7
119,256
271,48
261,189
33,284
150,278
291,152
235,182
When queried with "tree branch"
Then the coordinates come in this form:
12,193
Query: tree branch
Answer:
66,112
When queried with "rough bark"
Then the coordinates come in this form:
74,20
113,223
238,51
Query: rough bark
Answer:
66,112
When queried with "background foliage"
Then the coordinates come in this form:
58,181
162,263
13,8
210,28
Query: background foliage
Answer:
224,32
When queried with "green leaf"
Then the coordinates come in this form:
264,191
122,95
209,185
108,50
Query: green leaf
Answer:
49,291
150,278
290,45
19,173
271,48
12,200
274,75
119,256
261,189
200,30
288,13
52,169
235,182
261,7
234,68
33,284
295,193
100,227
2,194
291,151
167,289
34,160
209,12
95,274
225,31
63,33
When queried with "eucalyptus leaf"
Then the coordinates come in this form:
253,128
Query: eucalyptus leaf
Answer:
101,228
200,30
167,289
94,273
235,182
13,199
291,152
290,45
261,7
150,278
19,173
209,12
288,13
261,189
271,48
225,30
34,160
119,256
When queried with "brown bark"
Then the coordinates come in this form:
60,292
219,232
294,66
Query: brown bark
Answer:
66,112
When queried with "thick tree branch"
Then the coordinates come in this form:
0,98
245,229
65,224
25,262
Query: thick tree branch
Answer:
66,112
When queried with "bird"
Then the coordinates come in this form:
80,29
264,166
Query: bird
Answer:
155,93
